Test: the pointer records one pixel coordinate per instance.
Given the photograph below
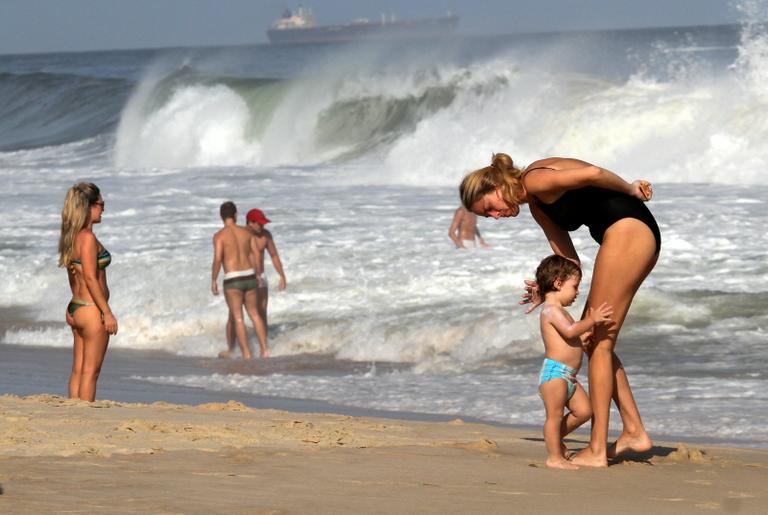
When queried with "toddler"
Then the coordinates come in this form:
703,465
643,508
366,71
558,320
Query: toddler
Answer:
558,281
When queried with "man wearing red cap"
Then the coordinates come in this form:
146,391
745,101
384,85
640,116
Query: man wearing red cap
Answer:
255,222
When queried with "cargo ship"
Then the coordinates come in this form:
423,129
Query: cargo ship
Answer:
299,26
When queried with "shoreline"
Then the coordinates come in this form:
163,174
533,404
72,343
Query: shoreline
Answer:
58,454
46,370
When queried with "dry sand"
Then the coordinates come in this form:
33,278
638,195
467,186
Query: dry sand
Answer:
59,455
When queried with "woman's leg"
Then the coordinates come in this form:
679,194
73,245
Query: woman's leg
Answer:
633,436
262,302
95,340
77,364
625,259
230,336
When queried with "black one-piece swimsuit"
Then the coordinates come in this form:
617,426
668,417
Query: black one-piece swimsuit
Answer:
598,209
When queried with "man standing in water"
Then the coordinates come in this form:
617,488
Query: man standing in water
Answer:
256,221
235,248
464,229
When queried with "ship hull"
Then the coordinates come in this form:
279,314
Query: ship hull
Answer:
366,31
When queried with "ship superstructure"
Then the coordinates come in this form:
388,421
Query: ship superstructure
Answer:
299,26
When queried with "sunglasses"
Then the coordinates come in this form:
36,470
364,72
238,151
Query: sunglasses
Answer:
100,203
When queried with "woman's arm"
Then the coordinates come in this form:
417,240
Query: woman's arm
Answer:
558,238
256,258
561,175
561,244
272,249
89,247
72,286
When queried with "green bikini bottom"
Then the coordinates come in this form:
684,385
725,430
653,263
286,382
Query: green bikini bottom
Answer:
76,304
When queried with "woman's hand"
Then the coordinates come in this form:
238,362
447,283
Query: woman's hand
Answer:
110,322
642,190
531,295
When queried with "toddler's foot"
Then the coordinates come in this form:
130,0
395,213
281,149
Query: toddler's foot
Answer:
225,354
561,463
630,443
264,353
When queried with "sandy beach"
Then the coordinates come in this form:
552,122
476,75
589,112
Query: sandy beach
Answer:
59,455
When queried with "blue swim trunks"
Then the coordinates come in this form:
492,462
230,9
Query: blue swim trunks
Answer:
552,369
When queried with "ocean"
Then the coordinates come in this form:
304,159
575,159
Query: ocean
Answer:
355,151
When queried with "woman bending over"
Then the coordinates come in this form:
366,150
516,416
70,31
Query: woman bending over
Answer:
563,194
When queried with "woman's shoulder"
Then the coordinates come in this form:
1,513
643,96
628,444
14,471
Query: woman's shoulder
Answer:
556,163
555,175
546,162
85,236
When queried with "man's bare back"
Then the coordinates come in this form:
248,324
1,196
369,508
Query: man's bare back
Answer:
235,244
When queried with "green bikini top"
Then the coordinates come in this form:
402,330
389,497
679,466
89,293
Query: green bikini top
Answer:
102,260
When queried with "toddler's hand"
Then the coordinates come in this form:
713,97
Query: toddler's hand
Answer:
601,314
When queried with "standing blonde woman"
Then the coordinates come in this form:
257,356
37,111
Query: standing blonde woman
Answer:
564,194
88,312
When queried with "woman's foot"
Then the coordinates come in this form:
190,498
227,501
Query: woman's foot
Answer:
561,463
589,458
629,443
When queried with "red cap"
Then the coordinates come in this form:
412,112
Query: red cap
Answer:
257,215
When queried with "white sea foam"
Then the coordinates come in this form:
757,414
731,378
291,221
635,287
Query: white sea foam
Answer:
197,126
674,121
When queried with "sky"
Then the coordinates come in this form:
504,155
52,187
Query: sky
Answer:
28,26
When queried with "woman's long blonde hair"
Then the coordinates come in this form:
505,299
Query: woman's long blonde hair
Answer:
74,216
502,173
